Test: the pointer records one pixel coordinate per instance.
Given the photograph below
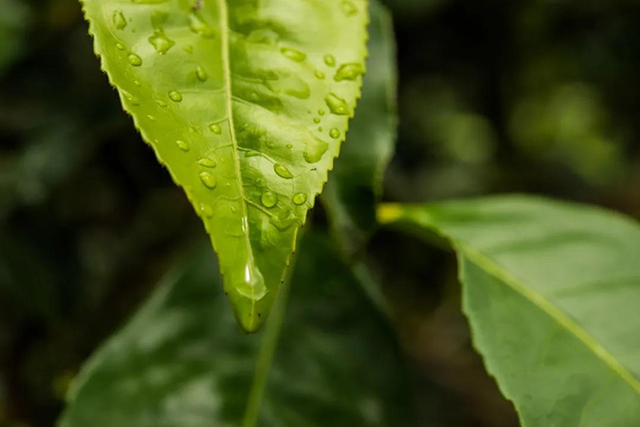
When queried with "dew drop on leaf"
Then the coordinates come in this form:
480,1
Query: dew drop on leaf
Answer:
329,60
200,27
319,75
207,163
161,103
215,128
134,60
206,210
152,118
337,105
183,145
314,151
349,8
349,72
119,20
119,46
201,74
282,171
129,97
293,54
175,96
321,112
208,180
161,42
299,198
316,120
334,133
269,199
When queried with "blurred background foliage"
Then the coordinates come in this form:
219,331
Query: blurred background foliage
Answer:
536,96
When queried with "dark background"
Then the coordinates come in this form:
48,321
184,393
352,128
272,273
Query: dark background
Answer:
536,96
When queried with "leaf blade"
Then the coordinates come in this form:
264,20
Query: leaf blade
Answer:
224,92
560,342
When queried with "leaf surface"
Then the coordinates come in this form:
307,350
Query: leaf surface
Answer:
356,182
246,103
180,362
552,293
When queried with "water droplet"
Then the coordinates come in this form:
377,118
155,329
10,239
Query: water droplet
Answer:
314,151
337,105
201,74
161,103
208,180
199,26
249,281
330,60
206,210
215,128
137,83
282,171
334,133
349,71
207,163
349,8
299,198
134,60
119,46
161,42
175,96
319,75
293,54
184,146
129,97
119,20
289,146
321,112
269,199
188,48
320,129
316,120
152,118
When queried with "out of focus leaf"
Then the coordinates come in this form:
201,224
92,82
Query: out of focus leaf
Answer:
552,292
356,182
181,362
246,104
13,20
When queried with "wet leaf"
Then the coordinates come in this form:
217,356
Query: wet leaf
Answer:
239,100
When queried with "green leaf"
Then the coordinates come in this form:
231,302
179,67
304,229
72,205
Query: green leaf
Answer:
356,182
246,103
552,292
180,362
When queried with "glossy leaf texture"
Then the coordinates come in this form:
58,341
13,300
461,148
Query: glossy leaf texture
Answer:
246,103
356,181
180,362
552,293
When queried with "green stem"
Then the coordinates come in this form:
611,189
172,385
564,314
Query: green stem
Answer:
267,351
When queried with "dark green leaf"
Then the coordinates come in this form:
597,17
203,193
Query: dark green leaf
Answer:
552,292
181,362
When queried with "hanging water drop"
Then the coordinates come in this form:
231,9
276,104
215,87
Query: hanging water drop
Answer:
175,96
208,180
282,171
269,199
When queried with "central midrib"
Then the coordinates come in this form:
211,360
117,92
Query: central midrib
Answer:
224,36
